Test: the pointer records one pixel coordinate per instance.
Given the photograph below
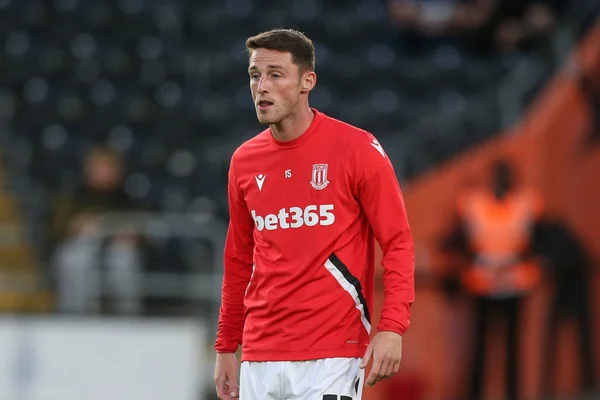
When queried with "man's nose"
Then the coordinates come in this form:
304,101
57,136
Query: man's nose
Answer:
262,85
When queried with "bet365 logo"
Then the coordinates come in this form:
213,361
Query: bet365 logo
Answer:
296,217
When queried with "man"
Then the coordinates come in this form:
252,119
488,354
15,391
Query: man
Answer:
495,238
74,223
571,269
307,197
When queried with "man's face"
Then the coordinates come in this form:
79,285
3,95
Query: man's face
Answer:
275,84
103,172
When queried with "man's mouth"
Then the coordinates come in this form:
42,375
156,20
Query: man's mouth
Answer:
264,104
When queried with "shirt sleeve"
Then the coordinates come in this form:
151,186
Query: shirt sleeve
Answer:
238,256
381,199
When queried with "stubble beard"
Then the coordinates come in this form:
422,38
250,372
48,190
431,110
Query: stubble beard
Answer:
265,119
280,113
274,119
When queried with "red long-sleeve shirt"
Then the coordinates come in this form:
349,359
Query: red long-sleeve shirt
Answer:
299,254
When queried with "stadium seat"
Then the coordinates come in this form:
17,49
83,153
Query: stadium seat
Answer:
153,79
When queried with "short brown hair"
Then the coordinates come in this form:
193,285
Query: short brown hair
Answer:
292,41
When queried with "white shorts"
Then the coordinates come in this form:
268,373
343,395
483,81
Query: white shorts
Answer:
324,379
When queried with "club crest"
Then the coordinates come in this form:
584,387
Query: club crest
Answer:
319,176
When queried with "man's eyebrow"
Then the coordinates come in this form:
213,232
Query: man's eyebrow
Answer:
273,66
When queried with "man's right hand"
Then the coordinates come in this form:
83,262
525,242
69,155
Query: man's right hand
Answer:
226,376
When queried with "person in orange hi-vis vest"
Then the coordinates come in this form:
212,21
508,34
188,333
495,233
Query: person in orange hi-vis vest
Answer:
496,233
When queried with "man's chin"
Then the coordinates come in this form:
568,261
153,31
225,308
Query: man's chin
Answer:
263,119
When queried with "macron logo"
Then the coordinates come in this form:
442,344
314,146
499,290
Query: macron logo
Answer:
378,147
260,179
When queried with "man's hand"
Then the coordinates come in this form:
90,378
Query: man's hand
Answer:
386,350
226,376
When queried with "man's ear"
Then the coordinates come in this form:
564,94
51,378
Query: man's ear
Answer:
309,80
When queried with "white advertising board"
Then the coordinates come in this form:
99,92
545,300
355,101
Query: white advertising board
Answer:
100,359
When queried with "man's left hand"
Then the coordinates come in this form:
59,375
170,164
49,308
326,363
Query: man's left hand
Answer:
386,350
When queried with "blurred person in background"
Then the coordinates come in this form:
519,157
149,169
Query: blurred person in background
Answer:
589,84
78,259
570,266
494,239
515,25
425,24
481,26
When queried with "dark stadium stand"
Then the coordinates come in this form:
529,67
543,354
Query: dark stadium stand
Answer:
164,83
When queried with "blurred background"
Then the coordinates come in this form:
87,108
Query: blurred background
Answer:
117,122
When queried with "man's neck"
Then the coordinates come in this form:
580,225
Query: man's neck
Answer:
293,126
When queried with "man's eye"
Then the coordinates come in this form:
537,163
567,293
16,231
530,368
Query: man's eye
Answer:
255,76
276,76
